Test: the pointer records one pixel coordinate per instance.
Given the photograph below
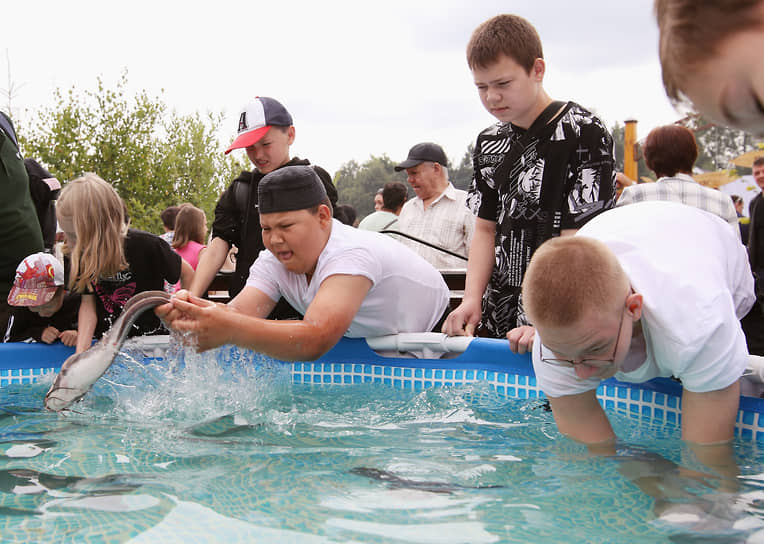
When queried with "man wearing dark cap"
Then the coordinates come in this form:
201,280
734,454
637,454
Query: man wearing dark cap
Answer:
345,281
438,214
265,131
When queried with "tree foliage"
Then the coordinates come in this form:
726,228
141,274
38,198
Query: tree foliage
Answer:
153,157
461,176
357,184
717,144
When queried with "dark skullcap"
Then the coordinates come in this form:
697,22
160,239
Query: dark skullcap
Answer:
290,188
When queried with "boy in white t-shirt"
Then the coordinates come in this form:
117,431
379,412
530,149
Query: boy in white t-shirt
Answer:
345,281
651,289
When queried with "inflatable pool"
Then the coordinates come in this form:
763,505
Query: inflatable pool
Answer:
418,362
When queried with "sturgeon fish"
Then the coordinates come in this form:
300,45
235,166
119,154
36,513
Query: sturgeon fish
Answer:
81,370
396,482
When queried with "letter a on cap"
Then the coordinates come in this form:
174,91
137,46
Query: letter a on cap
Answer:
243,122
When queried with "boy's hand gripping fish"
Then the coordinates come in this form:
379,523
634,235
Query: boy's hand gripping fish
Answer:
81,370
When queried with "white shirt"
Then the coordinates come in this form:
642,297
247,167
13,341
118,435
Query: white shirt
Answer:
407,293
696,284
446,222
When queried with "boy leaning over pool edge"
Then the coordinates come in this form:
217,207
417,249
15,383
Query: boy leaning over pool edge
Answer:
345,281
633,295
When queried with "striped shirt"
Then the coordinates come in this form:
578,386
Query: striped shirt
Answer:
447,223
683,189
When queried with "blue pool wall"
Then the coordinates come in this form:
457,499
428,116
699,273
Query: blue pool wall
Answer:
351,361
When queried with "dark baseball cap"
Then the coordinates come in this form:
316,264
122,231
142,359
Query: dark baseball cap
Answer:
290,188
424,152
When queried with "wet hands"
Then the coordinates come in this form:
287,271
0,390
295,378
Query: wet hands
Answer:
205,324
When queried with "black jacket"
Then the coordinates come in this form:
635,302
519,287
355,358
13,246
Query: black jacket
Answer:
237,220
25,324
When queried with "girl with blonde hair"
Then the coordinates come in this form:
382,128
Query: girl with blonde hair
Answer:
109,262
190,233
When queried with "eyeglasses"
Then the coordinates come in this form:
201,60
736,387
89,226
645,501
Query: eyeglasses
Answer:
598,363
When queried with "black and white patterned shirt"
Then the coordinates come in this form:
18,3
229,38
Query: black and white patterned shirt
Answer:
563,178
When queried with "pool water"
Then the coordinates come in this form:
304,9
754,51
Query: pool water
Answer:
225,448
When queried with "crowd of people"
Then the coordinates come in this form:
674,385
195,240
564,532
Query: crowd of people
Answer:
594,275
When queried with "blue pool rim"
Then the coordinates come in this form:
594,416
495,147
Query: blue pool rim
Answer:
351,361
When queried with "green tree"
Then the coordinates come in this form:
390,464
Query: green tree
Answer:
357,185
461,176
717,144
153,157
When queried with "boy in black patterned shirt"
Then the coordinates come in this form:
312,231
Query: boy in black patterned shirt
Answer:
543,171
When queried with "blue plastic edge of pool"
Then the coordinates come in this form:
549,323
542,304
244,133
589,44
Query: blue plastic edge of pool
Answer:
482,354
494,354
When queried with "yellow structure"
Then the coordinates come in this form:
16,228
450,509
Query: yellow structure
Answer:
630,152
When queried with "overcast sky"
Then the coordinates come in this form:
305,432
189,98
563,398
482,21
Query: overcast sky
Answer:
359,78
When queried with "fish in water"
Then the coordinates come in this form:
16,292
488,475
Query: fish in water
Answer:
81,370
396,482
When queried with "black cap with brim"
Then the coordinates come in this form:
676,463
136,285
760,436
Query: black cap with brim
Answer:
425,152
290,188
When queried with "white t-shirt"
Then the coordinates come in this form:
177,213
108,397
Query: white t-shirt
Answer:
407,294
694,276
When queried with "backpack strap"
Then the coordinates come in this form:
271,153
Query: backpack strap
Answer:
241,196
546,116
390,223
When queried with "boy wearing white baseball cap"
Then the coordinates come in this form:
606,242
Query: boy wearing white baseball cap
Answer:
266,131
43,311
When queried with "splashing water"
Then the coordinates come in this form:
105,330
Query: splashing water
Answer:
221,446
186,386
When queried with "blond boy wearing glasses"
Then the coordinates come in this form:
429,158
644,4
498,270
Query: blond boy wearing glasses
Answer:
653,289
